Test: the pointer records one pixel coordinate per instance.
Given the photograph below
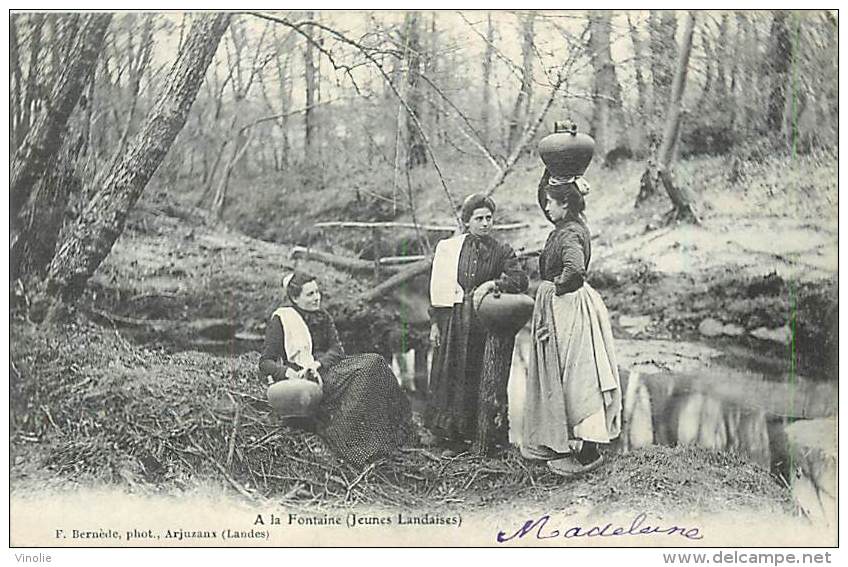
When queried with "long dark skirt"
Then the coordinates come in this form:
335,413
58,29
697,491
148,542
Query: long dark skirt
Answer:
364,414
455,375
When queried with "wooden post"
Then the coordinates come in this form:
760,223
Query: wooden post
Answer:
376,238
492,416
422,373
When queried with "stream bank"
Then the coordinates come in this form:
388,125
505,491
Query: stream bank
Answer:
141,390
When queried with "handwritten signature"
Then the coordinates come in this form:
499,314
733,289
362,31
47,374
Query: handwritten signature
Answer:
538,528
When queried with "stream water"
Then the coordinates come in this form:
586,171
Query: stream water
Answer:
718,395
679,393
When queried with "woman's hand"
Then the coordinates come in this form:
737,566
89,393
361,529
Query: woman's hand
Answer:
482,291
303,374
435,336
487,287
293,374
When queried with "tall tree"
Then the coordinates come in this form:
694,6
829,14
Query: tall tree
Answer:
32,94
36,227
238,137
102,221
724,58
680,196
15,84
487,80
416,152
607,110
639,52
282,66
309,76
521,108
138,58
780,58
662,26
44,138
745,91
707,97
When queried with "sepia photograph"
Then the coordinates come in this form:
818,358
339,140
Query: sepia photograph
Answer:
424,278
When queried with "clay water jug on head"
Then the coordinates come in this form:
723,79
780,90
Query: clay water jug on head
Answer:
566,152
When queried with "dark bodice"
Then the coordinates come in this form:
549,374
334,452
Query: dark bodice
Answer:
326,347
483,258
565,258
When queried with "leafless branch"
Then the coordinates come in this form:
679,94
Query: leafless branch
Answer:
379,66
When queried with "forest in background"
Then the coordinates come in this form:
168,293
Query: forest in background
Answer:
248,114
166,168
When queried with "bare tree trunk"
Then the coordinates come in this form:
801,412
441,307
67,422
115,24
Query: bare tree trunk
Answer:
209,178
308,117
137,67
32,95
736,55
745,82
780,57
724,58
287,103
15,85
38,225
416,153
487,80
797,99
529,134
680,197
607,90
44,139
706,99
432,69
639,51
102,221
241,145
521,107
663,28
285,84
241,84
60,41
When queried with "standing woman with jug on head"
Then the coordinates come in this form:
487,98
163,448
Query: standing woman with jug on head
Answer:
573,391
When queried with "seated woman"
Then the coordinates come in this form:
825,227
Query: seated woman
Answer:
363,414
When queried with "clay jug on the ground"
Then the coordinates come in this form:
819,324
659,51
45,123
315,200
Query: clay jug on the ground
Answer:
295,398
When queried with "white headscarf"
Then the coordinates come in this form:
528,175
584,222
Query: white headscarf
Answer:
582,185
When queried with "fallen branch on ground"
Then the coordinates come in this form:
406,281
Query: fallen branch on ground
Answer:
344,262
399,278
221,329
431,227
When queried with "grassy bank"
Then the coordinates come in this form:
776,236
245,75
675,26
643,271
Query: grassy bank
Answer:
156,422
